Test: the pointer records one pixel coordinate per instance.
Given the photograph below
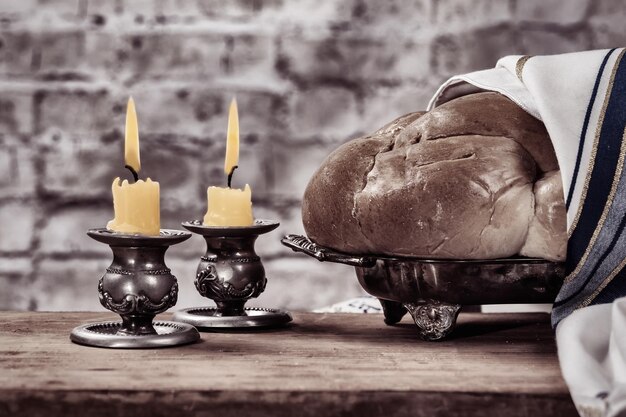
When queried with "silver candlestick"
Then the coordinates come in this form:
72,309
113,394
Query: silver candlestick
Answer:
230,273
137,286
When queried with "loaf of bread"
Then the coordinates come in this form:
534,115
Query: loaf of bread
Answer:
475,178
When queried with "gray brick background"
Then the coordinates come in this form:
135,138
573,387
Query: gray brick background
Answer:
308,75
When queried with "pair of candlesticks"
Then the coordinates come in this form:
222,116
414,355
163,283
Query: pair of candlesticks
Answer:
138,286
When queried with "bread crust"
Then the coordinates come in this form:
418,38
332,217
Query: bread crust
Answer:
464,181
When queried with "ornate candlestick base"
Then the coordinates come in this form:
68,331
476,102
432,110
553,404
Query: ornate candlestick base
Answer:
230,273
137,286
208,318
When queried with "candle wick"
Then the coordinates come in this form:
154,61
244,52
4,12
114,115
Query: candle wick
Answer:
132,170
230,176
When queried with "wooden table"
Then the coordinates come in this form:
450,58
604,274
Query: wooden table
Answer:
324,364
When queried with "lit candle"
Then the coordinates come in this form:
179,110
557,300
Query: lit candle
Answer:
136,205
230,206
232,140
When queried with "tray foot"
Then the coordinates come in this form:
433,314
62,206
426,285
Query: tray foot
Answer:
435,319
393,311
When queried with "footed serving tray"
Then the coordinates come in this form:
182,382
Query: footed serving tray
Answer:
433,291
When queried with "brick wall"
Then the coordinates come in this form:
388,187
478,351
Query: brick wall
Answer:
308,75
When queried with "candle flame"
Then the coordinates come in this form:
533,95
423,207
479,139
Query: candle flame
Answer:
232,139
131,141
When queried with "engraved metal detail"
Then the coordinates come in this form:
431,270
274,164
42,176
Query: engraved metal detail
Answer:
211,286
120,271
197,222
162,232
409,281
171,233
165,271
435,319
112,335
303,244
137,303
247,260
108,328
137,286
212,310
230,273
253,317
251,259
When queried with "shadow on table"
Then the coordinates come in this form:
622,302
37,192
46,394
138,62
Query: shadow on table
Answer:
483,326
244,330
480,324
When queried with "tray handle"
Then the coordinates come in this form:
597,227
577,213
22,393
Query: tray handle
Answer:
299,243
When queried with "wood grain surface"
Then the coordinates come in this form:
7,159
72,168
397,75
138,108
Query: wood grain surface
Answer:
323,364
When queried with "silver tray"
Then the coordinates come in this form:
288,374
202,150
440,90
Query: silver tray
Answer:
434,290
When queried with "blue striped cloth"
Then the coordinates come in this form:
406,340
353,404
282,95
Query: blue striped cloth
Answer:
581,98
596,248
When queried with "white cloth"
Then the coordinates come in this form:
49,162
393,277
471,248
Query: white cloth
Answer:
550,91
592,353
581,98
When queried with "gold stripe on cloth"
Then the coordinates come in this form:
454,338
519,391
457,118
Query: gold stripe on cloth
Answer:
605,211
519,66
595,146
616,178
606,282
613,273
